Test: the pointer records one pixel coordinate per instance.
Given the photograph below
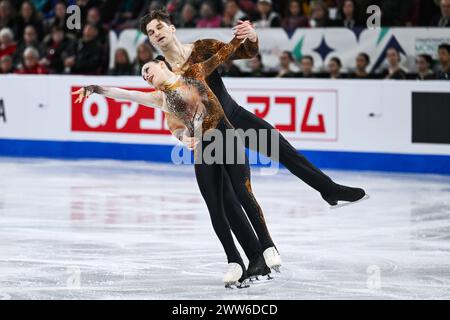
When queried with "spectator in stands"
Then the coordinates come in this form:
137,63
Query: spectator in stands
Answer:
154,5
29,16
229,69
122,15
7,44
394,71
307,67
348,15
247,6
422,12
334,68
320,15
6,65
232,14
256,66
86,59
30,39
294,17
144,54
122,65
362,62
188,16
57,47
443,72
6,15
94,17
424,63
265,16
394,12
443,20
209,16
286,60
59,19
30,63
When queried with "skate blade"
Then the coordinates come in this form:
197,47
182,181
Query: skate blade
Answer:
237,285
260,278
366,197
276,268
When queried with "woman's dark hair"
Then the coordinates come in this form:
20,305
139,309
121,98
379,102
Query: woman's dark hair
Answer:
365,56
161,58
158,14
337,60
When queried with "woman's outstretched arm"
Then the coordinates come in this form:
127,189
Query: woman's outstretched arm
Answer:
149,99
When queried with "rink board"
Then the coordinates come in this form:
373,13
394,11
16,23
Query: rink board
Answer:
356,125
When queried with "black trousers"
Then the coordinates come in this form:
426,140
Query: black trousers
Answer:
211,178
288,156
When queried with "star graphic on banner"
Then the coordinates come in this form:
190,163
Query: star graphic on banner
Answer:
323,49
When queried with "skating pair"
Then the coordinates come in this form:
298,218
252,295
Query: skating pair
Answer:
181,57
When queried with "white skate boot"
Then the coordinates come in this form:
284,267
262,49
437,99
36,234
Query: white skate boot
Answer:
234,276
272,258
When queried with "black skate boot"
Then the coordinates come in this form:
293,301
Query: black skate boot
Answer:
257,267
344,193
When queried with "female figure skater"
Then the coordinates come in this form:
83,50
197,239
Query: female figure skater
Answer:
188,98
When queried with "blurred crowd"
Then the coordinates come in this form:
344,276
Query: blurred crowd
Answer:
35,39
426,68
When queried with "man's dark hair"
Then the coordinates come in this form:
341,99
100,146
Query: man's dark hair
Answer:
308,57
161,58
445,46
158,14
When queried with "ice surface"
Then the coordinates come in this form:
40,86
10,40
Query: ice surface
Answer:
136,230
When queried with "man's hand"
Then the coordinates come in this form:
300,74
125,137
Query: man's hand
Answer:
244,29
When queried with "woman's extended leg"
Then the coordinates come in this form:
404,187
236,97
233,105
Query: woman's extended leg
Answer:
209,179
239,222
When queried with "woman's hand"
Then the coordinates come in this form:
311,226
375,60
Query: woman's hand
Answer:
245,29
82,93
189,142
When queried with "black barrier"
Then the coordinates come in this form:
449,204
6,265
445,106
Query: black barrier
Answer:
430,117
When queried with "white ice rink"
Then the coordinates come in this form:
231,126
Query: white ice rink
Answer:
136,230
